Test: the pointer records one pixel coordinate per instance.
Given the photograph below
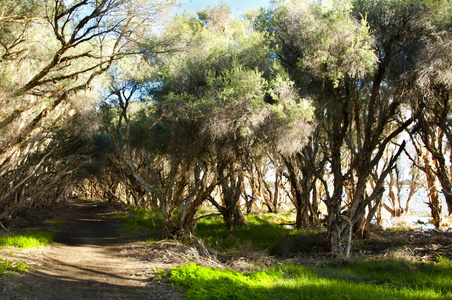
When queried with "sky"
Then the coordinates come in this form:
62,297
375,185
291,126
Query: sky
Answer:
237,6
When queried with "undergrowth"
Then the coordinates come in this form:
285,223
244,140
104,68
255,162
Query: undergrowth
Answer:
267,232
54,222
31,239
356,280
360,279
141,221
262,231
12,267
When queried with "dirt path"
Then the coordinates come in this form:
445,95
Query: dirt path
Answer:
85,262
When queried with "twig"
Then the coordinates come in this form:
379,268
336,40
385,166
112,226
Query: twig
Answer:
23,182
1,224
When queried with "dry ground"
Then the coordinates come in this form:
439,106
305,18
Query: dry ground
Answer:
86,261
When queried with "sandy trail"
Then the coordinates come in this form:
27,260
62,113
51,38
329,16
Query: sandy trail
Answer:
85,262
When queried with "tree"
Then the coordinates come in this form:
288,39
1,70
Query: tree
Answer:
427,163
396,183
224,99
357,81
326,52
432,86
43,87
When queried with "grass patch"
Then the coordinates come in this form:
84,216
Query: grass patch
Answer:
434,278
54,222
261,232
32,239
383,280
373,279
12,268
144,222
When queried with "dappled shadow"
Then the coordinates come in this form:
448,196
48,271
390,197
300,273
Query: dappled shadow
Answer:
89,224
86,261
45,286
408,244
93,271
96,232
308,285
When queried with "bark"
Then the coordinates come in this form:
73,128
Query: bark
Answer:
297,192
433,195
446,184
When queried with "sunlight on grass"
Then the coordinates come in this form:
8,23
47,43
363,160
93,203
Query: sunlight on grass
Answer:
262,231
299,282
432,277
379,279
32,239
12,268
143,221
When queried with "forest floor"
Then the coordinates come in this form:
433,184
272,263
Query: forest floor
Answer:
92,257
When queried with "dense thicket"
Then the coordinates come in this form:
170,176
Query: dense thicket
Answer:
301,105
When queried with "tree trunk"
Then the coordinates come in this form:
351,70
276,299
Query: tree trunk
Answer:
446,184
297,193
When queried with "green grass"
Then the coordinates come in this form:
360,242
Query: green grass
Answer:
11,268
356,280
54,222
145,222
261,232
373,279
31,239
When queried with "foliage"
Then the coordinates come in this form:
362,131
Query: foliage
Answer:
334,45
31,239
443,261
357,61
11,268
262,232
358,280
190,112
221,81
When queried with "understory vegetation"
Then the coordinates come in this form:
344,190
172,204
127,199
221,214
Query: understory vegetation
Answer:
30,239
12,267
325,278
354,280
263,232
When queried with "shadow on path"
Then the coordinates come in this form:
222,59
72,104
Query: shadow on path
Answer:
59,287
90,223
84,261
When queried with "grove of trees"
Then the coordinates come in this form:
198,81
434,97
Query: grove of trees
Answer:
302,105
